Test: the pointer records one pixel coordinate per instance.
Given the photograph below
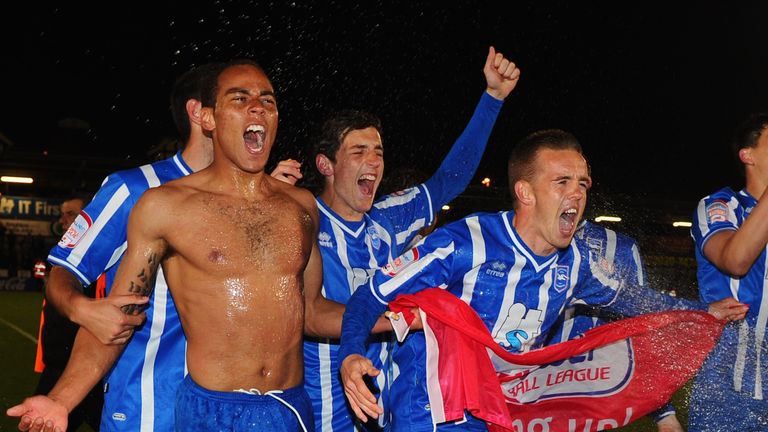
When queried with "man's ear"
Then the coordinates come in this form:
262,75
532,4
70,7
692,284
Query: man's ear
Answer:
745,156
324,165
206,119
194,108
524,193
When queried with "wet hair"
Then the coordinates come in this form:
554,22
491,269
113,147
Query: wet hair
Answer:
210,81
336,128
188,86
522,158
747,134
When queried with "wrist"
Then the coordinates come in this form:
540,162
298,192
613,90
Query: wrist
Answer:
496,94
77,305
61,400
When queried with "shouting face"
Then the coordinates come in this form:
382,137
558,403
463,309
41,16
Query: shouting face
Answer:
244,119
355,174
557,195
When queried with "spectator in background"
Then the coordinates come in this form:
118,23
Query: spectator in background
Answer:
730,230
57,335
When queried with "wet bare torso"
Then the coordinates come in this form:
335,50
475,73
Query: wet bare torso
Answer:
235,270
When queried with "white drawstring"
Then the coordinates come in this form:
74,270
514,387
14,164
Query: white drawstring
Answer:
273,394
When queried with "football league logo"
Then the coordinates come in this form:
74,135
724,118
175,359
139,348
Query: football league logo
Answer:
76,231
717,211
401,262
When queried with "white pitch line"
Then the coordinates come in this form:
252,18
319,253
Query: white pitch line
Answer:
21,332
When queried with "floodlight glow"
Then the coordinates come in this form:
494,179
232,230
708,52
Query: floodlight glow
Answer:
12,179
682,224
446,207
607,219
486,182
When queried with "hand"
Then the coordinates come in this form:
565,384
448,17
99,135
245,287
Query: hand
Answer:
288,170
669,424
40,413
501,75
728,309
107,321
362,401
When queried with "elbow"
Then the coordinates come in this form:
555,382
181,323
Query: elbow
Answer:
310,327
737,267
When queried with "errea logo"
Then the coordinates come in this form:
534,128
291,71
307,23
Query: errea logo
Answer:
498,269
324,239
119,416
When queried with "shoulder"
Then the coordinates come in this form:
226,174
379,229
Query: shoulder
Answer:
723,195
168,195
302,196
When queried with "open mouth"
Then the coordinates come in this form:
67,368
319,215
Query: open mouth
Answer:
254,138
366,183
568,221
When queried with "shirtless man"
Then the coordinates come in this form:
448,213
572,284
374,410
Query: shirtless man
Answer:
237,248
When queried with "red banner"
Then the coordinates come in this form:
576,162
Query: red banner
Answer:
615,374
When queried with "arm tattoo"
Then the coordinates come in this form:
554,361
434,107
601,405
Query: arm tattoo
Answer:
143,284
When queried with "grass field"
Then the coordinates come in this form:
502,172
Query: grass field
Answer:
19,324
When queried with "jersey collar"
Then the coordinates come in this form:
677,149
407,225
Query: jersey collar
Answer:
539,262
353,228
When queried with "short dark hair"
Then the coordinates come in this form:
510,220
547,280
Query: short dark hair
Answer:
210,83
336,127
522,158
188,86
747,134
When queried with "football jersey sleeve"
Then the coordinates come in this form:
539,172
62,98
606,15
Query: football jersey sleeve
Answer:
427,265
461,162
97,238
608,286
714,213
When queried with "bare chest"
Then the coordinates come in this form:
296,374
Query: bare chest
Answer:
238,236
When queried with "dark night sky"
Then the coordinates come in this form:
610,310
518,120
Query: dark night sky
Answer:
652,91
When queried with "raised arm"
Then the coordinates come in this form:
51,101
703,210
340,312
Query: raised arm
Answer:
734,251
90,359
461,162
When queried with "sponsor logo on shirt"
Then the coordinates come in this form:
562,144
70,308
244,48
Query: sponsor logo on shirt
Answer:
519,328
497,269
119,416
561,278
324,239
76,231
401,262
717,211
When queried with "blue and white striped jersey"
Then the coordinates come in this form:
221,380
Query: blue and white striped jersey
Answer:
727,210
483,261
617,254
352,251
140,390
